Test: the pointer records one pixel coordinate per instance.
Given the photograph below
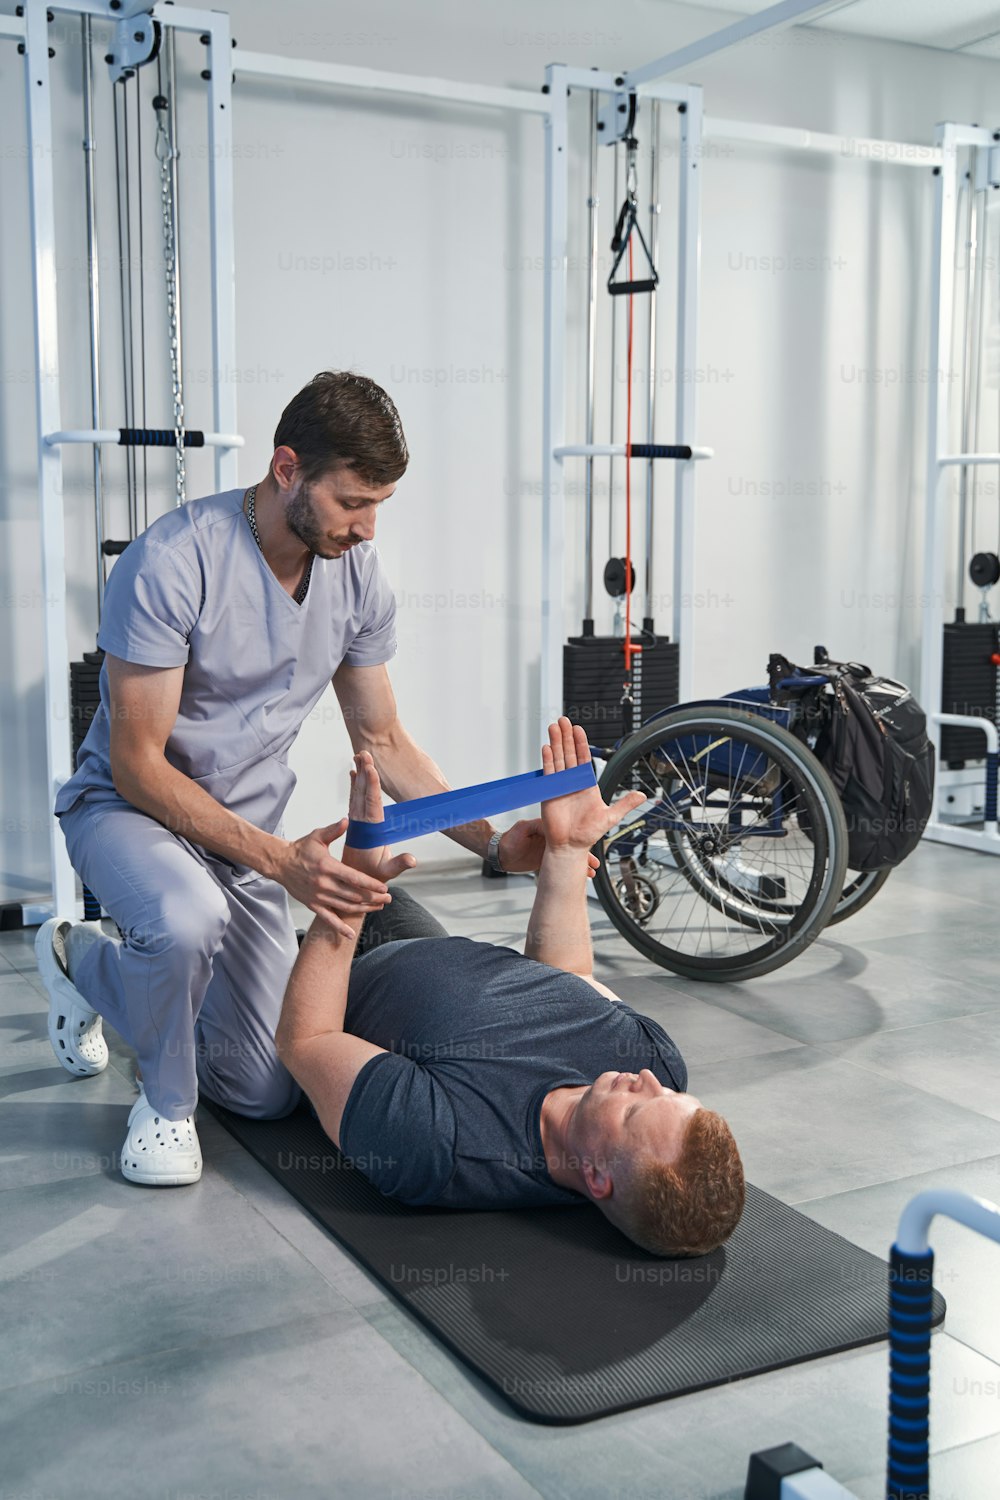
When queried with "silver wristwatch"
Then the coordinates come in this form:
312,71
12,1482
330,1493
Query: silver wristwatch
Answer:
493,854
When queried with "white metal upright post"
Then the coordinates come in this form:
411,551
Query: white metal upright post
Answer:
50,467
554,395
688,282
650,607
220,148
938,426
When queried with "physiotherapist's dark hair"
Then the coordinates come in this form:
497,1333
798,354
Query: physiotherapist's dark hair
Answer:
344,419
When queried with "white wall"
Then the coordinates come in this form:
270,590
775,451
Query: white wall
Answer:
404,239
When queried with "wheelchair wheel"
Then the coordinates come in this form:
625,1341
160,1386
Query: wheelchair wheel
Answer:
858,890
728,876
741,840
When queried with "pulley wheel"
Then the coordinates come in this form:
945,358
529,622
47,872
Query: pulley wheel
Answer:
984,570
615,573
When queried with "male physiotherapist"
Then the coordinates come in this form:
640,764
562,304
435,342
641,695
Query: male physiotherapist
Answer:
223,624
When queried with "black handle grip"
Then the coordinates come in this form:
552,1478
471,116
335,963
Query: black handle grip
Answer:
623,288
660,450
157,437
113,549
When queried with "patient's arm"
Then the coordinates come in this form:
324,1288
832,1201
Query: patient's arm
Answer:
310,1040
559,927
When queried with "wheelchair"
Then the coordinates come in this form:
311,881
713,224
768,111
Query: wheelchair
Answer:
737,859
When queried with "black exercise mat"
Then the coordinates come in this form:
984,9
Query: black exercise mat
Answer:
563,1315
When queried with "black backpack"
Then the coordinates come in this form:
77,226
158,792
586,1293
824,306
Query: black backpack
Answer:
873,742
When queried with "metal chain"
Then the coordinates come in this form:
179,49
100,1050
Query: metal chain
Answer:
251,515
166,152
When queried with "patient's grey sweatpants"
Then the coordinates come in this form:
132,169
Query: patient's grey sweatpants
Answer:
196,984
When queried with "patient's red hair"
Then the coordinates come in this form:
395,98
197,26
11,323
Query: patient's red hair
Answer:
686,1207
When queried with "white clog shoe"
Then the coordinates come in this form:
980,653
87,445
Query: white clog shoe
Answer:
75,1028
159,1152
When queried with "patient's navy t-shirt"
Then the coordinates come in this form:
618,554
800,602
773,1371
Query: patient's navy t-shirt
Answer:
477,1035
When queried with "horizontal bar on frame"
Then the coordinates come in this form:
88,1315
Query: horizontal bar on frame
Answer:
971,721
967,135
338,75
953,459
179,17
593,78
639,450
607,83
884,153
182,19
670,93
784,13
986,839
114,435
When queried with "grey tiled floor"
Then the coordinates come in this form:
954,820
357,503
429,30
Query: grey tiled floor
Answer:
215,1342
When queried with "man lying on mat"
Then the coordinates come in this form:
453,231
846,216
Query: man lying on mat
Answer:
466,1075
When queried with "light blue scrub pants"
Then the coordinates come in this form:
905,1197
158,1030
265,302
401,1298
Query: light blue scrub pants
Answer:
196,984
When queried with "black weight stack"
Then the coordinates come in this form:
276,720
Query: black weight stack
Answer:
968,686
84,696
593,672
84,701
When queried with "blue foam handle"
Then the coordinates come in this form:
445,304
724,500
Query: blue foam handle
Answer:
911,1293
466,804
992,767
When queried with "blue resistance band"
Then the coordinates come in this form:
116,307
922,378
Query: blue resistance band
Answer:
466,804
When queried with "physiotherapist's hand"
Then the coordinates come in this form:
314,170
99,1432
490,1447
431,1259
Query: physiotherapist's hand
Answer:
334,891
522,847
366,807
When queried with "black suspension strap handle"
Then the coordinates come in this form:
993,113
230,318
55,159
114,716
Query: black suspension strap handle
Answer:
628,216
628,221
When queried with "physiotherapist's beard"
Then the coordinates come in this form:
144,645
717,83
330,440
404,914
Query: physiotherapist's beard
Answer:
300,518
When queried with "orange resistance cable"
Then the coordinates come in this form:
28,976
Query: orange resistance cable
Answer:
630,649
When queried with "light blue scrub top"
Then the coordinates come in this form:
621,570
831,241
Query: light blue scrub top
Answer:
195,591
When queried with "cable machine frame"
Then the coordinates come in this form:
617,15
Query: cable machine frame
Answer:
559,80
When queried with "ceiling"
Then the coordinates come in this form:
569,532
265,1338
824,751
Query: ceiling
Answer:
969,27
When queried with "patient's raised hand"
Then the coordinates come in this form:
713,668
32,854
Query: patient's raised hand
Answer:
579,819
365,806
